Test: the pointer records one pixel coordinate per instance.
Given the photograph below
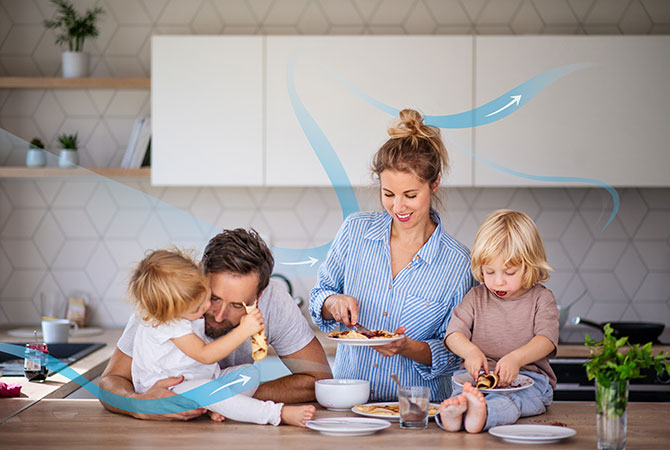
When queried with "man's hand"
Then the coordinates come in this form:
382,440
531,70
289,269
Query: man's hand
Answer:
162,390
507,369
117,379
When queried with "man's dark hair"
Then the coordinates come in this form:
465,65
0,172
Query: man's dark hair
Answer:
239,251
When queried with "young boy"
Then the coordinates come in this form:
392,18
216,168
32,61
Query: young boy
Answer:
508,325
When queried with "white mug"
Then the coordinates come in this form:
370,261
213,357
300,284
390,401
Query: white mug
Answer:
57,330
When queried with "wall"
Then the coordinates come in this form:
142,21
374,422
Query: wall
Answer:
83,234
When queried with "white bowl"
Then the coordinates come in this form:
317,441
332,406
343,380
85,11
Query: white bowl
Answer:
341,394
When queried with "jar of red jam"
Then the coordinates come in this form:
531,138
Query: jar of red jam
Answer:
35,365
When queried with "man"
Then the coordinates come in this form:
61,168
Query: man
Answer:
238,265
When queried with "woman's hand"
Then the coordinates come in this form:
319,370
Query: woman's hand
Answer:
507,369
475,360
342,308
396,347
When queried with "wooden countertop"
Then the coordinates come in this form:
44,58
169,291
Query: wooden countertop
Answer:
59,386
85,423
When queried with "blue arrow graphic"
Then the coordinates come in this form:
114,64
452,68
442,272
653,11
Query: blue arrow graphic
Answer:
300,262
495,110
211,392
492,111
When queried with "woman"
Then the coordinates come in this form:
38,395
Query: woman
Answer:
397,270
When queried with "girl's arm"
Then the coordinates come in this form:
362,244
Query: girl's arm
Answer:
474,358
215,351
508,366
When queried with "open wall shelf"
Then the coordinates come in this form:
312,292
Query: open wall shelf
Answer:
74,83
57,172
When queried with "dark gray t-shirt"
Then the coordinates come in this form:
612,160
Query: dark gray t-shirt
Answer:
286,328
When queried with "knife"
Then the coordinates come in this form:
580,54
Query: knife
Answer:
364,331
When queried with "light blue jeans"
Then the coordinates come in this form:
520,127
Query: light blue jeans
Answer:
505,409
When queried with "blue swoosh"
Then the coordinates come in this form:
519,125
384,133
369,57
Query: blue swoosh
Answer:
195,398
495,110
335,171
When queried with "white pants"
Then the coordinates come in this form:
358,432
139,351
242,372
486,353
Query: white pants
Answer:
241,407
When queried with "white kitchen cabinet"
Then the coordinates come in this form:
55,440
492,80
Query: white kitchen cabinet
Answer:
207,110
609,122
432,74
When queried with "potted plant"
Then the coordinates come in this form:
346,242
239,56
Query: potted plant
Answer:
68,156
614,362
73,30
36,156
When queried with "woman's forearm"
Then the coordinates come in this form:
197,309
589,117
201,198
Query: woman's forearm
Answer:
418,351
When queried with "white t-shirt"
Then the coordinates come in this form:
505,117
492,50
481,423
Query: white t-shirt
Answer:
157,357
286,328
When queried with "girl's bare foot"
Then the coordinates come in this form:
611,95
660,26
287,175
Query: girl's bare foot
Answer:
215,416
451,412
297,415
475,416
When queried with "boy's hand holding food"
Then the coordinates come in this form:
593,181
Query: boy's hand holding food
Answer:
475,360
252,322
507,369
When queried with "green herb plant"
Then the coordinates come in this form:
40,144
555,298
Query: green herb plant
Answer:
36,143
615,360
72,28
68,141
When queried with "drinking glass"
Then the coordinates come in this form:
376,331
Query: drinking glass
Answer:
52,305
413,402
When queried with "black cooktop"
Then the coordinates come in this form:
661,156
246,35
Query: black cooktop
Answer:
11,366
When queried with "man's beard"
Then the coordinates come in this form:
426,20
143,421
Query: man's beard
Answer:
216,332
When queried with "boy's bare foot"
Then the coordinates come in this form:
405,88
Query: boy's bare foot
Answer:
451,412
297,415
475,416
215,416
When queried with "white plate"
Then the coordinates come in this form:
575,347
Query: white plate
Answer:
532,434
347,426
29,332
366,342
520,383
394,418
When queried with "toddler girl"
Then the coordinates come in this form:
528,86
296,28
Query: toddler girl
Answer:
171,295
508,325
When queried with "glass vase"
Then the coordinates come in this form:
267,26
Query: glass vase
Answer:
611,403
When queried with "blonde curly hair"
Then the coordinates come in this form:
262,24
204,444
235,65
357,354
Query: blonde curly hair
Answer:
166,284
514,236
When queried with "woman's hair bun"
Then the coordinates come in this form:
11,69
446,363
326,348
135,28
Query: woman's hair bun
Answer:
410,123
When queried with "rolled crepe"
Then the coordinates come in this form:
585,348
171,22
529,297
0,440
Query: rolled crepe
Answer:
259,342
487,381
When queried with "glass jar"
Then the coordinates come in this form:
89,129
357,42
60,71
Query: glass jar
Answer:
611,403
35,362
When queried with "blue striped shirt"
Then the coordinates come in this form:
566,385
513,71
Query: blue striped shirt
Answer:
421,298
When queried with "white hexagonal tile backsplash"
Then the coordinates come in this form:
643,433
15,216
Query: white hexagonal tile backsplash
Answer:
83,235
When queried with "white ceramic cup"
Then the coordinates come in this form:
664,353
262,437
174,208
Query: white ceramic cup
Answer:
57,330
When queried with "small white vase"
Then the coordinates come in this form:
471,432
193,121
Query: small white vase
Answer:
68,158
36,157
75,64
